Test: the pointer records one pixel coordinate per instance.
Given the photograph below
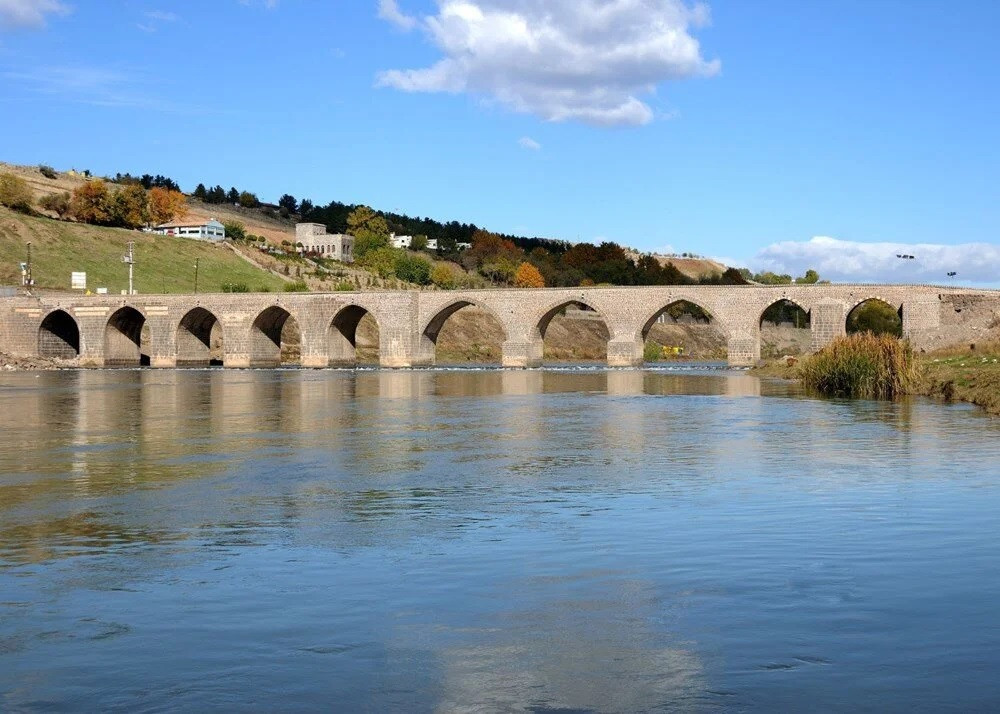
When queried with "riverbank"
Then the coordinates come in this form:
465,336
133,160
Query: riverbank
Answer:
967,374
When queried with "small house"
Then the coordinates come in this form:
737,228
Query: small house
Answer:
210,230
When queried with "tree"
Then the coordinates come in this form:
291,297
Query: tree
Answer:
165,204
249,200
129,206
288,202
381,261
200,192
876,317
369,229
233,196
216,195
90,202
809,278
527,276
15,193
419,242
305,206
56,202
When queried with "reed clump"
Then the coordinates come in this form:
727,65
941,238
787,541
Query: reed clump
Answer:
862,365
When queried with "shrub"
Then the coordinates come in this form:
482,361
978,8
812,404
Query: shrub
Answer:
381,261
652,351
235,230
235,288
299,286
263,289
443,276
412,268
15,193
864,365
56,202
344,286
47,171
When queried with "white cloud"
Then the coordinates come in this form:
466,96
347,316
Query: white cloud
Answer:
851,261
90,85
29,13
581,60
389,11
526,142
156,18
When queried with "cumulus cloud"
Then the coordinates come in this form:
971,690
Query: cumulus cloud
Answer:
29,13
851,261
561,60
526,142
389,11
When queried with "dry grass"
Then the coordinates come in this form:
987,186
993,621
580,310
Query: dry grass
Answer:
864,366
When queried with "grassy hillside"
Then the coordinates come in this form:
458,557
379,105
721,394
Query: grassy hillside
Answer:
164,264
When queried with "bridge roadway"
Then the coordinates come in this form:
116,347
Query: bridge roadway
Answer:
168,330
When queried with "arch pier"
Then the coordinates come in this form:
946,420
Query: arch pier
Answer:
319,329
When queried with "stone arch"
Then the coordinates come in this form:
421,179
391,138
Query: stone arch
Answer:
273,336
432,330
59,336
123,339
197,331
652,320
695,332
342,334
889,321
785,327
542,323
788,301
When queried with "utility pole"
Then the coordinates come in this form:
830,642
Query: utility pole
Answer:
27,269
196,275
130,261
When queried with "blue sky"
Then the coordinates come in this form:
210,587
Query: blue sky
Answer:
743,130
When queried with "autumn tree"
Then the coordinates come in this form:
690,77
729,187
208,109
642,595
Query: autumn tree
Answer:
91,202
381,261
443,275
369,229
15,193
527,276
165,204
249,200
129,206
58,203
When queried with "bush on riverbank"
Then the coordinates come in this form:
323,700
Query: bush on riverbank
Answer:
863,365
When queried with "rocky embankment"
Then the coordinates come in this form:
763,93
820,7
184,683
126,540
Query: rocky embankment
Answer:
9,363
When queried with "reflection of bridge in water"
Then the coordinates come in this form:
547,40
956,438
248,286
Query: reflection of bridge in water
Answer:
172,330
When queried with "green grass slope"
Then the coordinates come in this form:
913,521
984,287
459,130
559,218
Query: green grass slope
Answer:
163,264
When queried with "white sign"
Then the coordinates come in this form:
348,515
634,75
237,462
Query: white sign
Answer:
102,291
78,281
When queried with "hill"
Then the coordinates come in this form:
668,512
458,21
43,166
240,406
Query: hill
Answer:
163,263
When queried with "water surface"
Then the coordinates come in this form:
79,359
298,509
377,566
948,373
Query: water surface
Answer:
557,540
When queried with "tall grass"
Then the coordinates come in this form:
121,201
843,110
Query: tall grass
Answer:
862,365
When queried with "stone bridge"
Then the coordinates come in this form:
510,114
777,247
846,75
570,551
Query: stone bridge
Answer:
171,330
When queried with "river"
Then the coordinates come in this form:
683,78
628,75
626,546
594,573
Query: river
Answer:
564,540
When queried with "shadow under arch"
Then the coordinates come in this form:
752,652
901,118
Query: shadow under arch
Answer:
59,336
490,328
123,339
348,333
198,332
875,315
583,334
274,338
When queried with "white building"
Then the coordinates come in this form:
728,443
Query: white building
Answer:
210,230
314,239
400,241
407,241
